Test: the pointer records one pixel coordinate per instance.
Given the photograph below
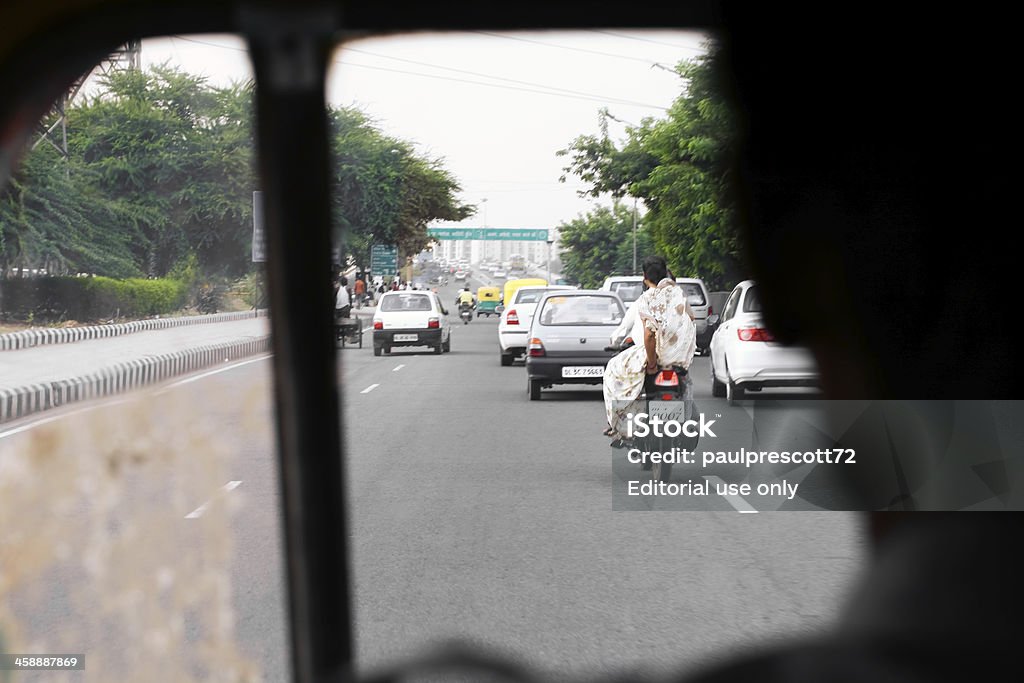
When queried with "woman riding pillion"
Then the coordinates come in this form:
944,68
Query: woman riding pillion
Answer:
664,337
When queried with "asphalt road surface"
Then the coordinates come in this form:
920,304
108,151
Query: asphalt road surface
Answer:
476,514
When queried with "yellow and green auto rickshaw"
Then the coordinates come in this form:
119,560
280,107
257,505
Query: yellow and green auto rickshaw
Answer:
487,299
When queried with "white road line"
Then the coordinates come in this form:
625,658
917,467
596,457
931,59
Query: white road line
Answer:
198,512
369,389
212,372
399,367
53,418
367,329
736,501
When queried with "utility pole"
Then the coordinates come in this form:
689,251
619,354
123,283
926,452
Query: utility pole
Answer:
126,57
634,235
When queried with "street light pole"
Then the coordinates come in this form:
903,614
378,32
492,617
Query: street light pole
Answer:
634,235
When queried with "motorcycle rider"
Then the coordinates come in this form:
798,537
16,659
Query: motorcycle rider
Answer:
465,298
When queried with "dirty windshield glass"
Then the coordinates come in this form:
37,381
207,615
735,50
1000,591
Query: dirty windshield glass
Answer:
139,494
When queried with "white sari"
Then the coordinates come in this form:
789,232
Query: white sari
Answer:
663,311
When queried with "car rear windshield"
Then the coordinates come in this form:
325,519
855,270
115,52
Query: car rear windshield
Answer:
581,310
529,296
752,301
628,291
406,302
694,294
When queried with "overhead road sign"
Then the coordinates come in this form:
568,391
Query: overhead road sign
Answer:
497,234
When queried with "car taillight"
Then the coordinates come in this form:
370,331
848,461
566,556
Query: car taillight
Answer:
536,348
754,334
711,310
378,324
512,318
627,341
667,378
434,322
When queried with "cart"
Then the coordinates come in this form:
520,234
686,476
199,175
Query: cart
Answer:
348,331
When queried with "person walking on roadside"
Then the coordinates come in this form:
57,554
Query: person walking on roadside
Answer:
360,291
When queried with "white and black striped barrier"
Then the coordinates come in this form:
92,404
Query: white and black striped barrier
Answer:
123,377
25,339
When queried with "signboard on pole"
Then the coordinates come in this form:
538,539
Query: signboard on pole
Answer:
384,259
503,234
259,240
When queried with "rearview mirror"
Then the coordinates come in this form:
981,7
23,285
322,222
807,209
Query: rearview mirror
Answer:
499,309
713,319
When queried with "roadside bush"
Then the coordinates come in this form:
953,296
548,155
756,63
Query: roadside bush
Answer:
46,300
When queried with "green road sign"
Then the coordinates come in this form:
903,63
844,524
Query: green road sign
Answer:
505,234
384,259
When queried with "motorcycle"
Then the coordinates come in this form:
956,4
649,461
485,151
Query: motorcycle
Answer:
466,313
668,395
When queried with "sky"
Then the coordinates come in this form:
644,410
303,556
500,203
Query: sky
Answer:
493,107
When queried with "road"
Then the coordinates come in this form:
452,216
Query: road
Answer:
152,527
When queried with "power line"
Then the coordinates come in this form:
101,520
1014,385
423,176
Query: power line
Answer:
566,47
647,40
551,90
475,73
508,87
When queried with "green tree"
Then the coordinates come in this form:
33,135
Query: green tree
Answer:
382,191
678,167
600,243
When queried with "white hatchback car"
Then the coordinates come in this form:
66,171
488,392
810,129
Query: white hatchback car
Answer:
411,318
515,318
745,355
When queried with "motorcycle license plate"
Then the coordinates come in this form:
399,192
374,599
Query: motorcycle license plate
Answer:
667,410
583,371
406,337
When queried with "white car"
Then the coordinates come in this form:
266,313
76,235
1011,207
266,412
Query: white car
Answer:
411,318
460,274
628,287
500,274
515,318
697,296
745,355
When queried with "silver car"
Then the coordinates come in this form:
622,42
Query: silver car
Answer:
745,355
568,338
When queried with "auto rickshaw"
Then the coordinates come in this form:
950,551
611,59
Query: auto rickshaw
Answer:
487,299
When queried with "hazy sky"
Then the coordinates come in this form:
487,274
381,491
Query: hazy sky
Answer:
494,107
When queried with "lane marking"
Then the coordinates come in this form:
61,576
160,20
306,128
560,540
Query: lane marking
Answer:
117,400
369,388
399,367
209,373
54,418
198,512
367,329
737,502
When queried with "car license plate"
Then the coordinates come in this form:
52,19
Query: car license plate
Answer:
406,337
583,371
667,410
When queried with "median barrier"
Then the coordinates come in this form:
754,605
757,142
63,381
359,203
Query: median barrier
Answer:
119,378
25,339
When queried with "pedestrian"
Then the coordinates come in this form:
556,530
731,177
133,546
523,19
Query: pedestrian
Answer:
360,291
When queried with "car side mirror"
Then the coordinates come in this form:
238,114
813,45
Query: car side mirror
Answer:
714,319
499,309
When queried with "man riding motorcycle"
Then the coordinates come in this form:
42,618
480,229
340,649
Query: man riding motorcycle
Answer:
465,298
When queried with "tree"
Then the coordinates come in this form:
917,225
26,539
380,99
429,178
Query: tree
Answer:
678,167
383,192
600,243
160,177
